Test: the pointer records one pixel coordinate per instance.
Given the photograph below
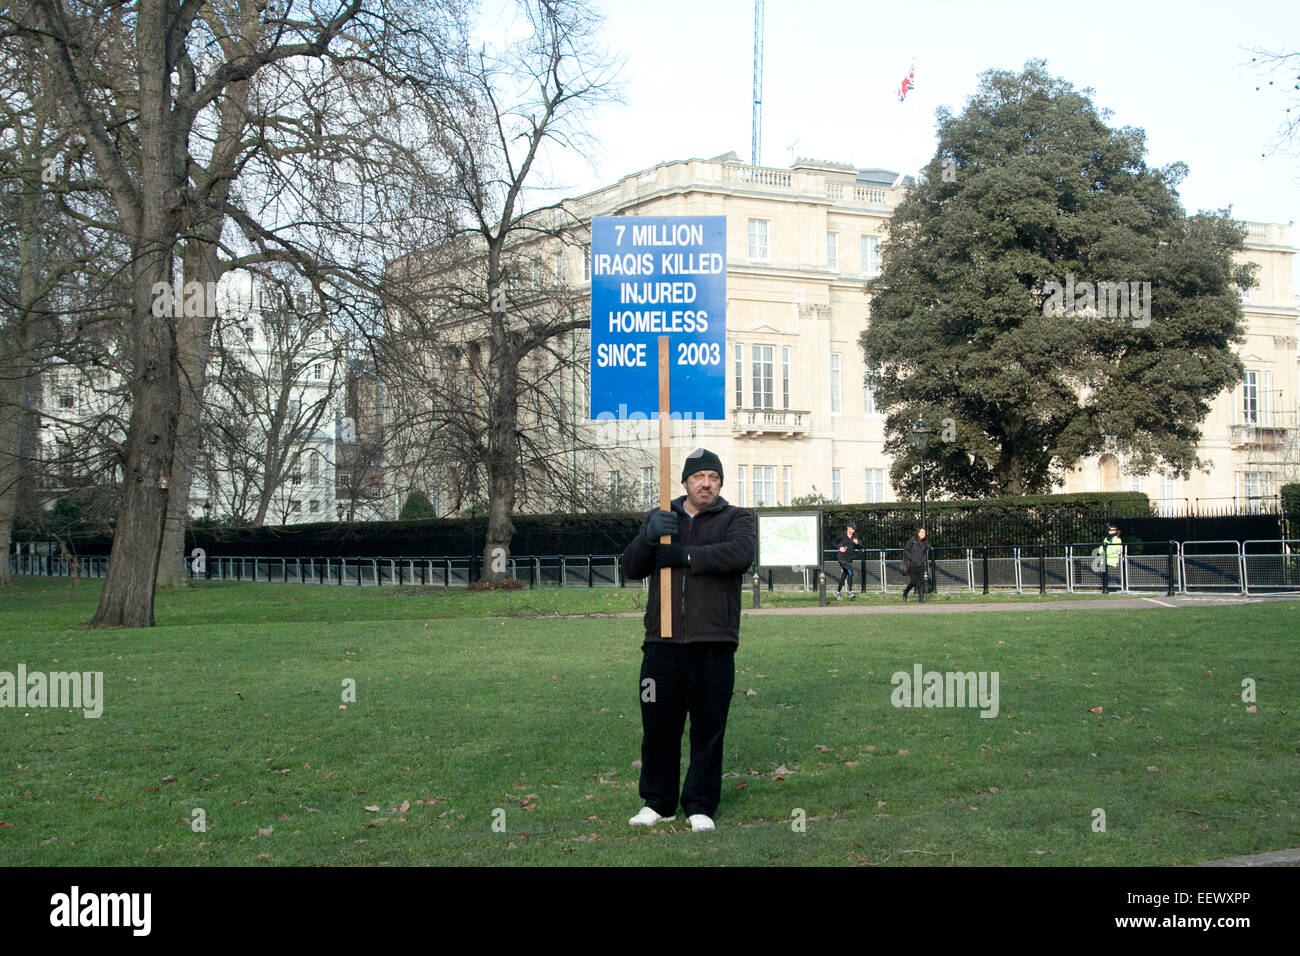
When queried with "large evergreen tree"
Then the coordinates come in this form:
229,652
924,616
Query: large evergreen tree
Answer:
1030,187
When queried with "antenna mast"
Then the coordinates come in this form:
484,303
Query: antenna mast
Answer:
757,145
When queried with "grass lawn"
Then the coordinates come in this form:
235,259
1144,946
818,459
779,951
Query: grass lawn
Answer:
475,709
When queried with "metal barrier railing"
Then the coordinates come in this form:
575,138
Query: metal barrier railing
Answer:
1189,567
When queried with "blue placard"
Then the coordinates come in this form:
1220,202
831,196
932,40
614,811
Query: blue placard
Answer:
653,276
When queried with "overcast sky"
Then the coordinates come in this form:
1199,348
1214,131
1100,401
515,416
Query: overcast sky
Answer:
1180,71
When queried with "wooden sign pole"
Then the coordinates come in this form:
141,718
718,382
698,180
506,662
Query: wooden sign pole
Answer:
665,498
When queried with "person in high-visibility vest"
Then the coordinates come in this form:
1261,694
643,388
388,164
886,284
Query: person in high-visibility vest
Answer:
1114,547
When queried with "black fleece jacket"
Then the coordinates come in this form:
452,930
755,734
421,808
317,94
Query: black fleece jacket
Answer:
706,595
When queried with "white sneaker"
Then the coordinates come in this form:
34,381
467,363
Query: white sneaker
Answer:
839,596
699,821
646,817
853,595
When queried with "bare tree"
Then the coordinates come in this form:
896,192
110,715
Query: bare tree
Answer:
276,382
1281,69
479,321
60,301
137,79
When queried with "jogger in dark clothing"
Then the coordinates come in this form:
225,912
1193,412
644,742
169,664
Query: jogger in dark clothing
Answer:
916,556
845,545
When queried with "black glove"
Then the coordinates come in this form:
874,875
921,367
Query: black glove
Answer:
660,523
671,556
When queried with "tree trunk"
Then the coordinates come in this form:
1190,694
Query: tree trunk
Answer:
127,598
194,347
502,469
11,412
17,381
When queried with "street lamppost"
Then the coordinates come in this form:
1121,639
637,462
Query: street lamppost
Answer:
921,439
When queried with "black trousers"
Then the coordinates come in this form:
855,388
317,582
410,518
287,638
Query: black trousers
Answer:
694,680
846,575
916,577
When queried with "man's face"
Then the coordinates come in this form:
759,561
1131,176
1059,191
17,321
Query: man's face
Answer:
702,489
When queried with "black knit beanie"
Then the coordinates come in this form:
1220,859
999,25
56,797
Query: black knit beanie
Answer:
701,460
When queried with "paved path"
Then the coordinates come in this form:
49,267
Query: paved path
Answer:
1081,604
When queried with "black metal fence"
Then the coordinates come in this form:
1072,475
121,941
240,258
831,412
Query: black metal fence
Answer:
1202,566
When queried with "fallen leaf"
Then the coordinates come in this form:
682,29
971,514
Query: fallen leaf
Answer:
169,779
406,805
1094,710
267,832
371,809
1251,709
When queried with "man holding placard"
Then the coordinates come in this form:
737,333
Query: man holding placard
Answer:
692,672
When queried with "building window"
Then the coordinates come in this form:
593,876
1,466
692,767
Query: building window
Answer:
613,489
875,484
1253,406
764,485
785,377
65,398
837,485
739,352
313,468
295,478
835,383
787,479
1250,399
1135,483
345,479
1168,493
648,494
586,262
295,506
1253,487
314,505
869,401
740,484
557,265
870,256
318,371
833,251
758,239
763,359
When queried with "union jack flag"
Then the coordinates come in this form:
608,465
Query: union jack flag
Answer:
908,84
